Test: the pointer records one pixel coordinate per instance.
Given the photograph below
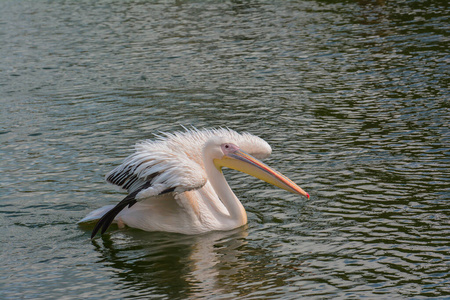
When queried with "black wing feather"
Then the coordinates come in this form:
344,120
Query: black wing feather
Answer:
126,178
108,218
129,200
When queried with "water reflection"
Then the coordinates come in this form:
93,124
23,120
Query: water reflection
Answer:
177,265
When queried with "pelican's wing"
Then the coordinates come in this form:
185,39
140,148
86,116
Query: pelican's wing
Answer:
160,171
146,174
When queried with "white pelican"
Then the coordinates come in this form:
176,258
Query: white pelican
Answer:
175,183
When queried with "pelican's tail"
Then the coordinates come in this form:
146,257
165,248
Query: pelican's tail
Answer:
96,215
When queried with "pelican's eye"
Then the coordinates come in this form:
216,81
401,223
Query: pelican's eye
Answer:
229,148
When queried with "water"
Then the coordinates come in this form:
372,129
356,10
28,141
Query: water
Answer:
352,96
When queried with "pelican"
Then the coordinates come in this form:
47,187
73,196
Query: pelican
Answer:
175,182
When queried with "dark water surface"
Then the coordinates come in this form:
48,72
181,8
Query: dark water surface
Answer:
352,96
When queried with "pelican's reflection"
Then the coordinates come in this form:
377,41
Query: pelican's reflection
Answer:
174,265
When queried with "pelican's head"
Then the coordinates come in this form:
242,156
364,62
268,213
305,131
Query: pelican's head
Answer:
228,154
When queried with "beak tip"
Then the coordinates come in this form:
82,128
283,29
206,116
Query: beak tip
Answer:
307,195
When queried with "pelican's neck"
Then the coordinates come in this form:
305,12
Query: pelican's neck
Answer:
237,215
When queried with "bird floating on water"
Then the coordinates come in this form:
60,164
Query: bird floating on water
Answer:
175,183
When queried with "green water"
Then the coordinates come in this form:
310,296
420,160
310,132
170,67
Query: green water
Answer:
352,96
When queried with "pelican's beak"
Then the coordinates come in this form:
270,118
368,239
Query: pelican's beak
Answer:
244,162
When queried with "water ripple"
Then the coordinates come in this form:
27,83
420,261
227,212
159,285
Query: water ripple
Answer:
353,97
